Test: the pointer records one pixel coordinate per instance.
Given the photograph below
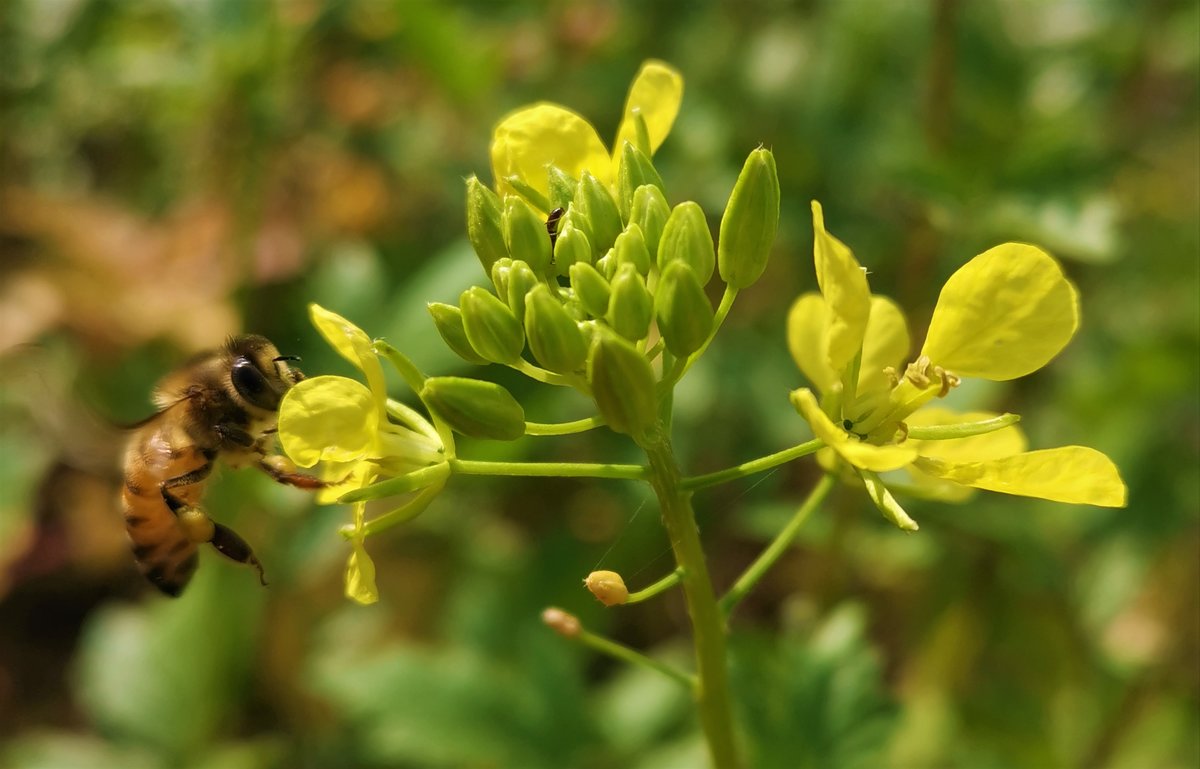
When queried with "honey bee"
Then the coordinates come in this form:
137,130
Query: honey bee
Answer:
222,403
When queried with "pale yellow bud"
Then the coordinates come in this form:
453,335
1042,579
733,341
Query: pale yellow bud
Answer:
608,587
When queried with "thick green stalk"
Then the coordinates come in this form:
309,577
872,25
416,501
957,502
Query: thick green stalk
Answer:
708,624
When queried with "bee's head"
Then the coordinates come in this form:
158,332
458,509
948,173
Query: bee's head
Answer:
258,373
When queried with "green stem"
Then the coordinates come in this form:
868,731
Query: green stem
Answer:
540,374
625,654
549,469
708,625
778,547
563,428
667,582
753,466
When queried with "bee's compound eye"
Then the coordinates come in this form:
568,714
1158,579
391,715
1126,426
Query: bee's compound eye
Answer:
252,385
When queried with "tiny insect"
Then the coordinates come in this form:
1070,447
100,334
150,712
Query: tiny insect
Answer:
222,403
552,224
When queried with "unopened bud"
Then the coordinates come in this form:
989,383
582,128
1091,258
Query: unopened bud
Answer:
484,229
499,272
635,170
475,408
591,288
650,212
608,587
566,625
525,235
622,383
562,187
631,305
631,247
595,204
685,316
686,238
607,265
492,329
750,221
572,246
449,323
554,337
521,280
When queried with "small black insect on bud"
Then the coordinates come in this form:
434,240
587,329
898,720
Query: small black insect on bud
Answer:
552,224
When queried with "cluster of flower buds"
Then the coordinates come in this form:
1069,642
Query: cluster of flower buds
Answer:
587,278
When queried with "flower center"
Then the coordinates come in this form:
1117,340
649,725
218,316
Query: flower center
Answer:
883,423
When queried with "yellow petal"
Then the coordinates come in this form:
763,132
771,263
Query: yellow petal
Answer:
808,340
866,456
656,92
528,140
1003,314
353,344
885,343
360,576
327,418
844,285
1073,474
977,448
344,477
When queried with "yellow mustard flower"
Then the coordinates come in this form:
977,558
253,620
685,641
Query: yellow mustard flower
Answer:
1004,314
344,427
527,141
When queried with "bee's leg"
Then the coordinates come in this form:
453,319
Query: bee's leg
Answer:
179,506
230,544
200,528
234,435
284,471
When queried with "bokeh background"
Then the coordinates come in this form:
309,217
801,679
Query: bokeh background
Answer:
175,171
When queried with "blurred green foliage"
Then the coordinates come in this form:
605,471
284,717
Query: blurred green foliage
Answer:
173,172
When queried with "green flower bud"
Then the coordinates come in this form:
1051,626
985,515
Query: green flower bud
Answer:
491,327
595,204
686,238
685,316
449,322
500,270
475,408
484,229
607,265
575,308
631,306
525,235
622,383
635,171
571,247
588,329
631,247
591,288
555,339
650,212
562,187
521,280
750,221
